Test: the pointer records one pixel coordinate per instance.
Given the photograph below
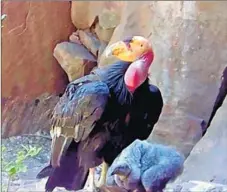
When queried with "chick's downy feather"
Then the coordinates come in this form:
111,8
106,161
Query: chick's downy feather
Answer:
145,167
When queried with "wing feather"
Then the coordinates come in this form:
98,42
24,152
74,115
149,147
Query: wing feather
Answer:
76,114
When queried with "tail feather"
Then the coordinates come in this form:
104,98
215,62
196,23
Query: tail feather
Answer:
45,172
58,148
70,175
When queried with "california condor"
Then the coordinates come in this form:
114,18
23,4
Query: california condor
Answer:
99,115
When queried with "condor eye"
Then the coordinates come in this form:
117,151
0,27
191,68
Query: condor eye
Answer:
141,45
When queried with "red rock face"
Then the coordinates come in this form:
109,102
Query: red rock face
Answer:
30,32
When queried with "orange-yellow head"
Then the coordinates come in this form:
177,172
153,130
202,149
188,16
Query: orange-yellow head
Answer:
138,51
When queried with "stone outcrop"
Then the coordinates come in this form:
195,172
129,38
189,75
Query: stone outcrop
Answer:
90,42
103,34
29,34
84,14
208,157
75,59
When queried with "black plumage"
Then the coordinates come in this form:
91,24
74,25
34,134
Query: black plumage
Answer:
144,113
122,117
98,104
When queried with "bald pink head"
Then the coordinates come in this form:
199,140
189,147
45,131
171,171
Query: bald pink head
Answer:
138,51
138,71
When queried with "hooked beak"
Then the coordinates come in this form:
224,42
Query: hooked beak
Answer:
121,50
129,49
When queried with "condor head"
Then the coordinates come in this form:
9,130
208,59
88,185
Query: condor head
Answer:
138,51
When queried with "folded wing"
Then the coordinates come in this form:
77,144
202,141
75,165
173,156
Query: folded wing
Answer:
76,114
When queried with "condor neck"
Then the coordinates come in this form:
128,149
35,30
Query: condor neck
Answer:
147,58
113,76
139,70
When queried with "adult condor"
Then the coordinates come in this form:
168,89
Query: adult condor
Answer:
101,114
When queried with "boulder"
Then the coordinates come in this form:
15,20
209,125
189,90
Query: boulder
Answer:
208,157
75,59
74,38
109,19
83,14
79,15
89,41
102,33
29,71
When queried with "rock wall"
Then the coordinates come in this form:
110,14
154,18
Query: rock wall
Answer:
189,41
208,157
47,44
31,77
190,44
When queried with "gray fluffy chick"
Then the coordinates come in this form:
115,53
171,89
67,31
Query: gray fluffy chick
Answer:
143,166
